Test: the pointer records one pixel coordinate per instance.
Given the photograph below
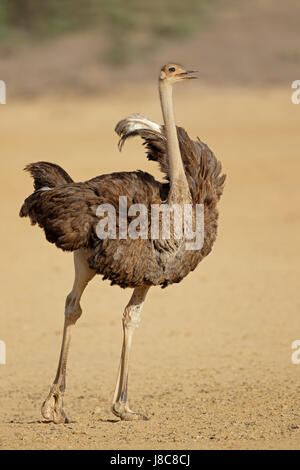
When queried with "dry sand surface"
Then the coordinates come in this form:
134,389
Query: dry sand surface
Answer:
211,362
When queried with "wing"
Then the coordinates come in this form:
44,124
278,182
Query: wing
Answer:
68,213
203,170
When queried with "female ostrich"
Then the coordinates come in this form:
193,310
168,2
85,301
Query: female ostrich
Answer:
67,211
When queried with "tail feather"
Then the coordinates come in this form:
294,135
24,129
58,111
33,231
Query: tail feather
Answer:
46,176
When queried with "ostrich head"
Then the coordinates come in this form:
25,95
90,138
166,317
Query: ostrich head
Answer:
173,73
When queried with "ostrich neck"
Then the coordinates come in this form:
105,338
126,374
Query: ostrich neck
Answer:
179,190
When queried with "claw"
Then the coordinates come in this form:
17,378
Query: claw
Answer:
123,412
52,408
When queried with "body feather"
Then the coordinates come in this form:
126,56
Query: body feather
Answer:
66,210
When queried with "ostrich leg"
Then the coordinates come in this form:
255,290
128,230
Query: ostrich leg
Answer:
131,319
52,408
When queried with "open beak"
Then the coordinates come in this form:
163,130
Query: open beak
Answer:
188,74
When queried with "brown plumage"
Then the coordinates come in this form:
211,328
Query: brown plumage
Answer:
66,211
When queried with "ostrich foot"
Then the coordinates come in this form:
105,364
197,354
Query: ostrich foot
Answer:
52,408
122,410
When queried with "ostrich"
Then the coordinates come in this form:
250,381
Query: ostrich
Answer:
67,211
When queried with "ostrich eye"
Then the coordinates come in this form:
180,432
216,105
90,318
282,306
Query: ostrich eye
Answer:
172,69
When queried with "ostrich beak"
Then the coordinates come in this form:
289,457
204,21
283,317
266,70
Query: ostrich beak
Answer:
188,74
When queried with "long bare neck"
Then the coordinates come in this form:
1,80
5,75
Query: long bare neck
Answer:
179,186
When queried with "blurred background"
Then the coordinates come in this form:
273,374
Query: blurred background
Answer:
87,46
211,362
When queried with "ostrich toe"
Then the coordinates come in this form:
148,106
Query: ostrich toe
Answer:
52,408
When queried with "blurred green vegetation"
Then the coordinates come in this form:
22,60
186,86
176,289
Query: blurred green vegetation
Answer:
127,24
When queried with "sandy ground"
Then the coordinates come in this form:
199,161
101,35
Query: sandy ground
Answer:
211,362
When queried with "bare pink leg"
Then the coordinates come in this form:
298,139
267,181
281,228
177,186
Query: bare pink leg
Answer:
52,408
131,319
